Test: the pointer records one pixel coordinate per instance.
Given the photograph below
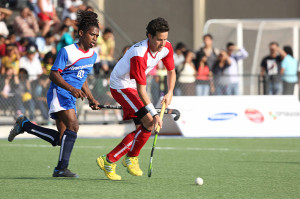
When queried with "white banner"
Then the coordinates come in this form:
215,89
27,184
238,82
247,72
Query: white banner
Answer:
237,116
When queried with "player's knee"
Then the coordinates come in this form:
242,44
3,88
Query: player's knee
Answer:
73,126
148,122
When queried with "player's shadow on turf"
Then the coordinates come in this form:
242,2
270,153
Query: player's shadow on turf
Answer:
268,162
35,178
51,178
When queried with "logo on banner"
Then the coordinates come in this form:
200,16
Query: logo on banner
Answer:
273,115
254,115
289,114
222,116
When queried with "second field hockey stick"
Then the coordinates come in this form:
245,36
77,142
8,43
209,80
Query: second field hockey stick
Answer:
154,141
159,110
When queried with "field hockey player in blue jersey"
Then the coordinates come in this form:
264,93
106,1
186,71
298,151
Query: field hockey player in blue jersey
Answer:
68,82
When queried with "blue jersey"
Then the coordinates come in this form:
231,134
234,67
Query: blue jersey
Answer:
74,65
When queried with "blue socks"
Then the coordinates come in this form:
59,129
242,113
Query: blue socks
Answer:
49,135
52,136
67,142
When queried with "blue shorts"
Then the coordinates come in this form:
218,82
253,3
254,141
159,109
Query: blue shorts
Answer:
59,100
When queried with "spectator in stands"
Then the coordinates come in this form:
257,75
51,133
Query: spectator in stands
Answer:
204,77
46,44
40,93
288,70
107,49
232,71
4,14
72,27
31,63
178,60
48,62
26,25
220,79
2,47
271,70
208,49
187,73
8,95
11,39
178,54
11,60
48,16
24,90
65,38
71,7
33,5
22,45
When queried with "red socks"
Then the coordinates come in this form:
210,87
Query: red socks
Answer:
122,148
140,139
134,142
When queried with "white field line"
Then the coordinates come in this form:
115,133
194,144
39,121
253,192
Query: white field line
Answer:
163,148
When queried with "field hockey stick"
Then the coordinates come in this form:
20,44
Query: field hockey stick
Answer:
166,111
155,138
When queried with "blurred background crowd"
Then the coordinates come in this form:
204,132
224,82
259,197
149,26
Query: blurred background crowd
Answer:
31,36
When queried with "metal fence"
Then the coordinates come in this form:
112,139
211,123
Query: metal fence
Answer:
16,99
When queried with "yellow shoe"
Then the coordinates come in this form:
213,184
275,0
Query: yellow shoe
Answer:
132,164
108,168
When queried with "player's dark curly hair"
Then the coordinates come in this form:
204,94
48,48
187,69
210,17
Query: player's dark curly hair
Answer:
86,19
157,25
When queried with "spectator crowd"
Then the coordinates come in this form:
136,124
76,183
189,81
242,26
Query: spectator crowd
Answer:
30,42
210,71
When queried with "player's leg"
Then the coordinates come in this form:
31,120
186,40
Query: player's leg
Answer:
133,108
143,133
67,124
107,162
122,148
23,124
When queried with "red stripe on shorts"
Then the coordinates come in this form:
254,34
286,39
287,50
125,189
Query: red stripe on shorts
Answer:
130,101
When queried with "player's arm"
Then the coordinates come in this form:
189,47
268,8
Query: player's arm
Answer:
141,89
171,75
57,79
94,104
171,79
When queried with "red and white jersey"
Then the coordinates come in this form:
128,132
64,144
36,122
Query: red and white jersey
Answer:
136,64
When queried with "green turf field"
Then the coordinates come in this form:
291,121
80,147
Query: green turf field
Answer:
231,168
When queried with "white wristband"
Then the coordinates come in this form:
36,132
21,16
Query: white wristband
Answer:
151,109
